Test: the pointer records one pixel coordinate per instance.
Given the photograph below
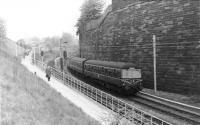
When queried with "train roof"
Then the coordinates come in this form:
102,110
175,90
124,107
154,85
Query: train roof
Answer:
120,65
78,59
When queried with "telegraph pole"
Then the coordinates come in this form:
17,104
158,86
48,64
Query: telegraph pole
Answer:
154,63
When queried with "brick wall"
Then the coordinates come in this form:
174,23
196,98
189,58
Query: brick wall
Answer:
126,35
117,4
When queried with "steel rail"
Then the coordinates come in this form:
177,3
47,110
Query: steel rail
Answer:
183,111
190,107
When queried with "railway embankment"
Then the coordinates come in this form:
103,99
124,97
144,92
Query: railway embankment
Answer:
27,99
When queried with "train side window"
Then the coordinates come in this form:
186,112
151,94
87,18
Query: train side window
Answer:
92,68
95,68
102,70
113,72
110,72
106,71
116,72
99,69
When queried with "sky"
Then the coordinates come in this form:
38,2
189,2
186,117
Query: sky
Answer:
40,18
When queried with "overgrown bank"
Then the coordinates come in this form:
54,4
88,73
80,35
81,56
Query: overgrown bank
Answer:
26,99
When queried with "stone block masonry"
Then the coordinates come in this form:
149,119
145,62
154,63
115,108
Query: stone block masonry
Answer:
126,35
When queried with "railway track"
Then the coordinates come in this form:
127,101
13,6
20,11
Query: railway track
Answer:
189,114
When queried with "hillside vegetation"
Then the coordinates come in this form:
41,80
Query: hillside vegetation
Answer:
11,47
28,100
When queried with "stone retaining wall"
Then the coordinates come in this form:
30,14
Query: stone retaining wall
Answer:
126,35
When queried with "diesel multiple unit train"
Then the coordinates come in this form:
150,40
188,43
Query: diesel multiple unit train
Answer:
120,77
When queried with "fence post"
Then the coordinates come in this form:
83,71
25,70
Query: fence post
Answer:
63,77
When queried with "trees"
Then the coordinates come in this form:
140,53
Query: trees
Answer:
90,10
67,38
23,44
2,29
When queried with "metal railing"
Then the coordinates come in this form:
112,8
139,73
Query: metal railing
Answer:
123,110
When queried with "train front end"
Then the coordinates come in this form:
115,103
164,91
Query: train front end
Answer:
132,80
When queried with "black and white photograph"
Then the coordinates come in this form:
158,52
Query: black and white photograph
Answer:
100,62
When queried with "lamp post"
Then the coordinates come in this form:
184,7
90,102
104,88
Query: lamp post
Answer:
34,50
60,47
61,52
154,63
16,50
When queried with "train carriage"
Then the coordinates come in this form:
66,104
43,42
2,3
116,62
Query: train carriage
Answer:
121,76
76,64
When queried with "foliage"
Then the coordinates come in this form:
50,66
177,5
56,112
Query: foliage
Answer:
51,43
2,29
90,10
23,44
68,39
